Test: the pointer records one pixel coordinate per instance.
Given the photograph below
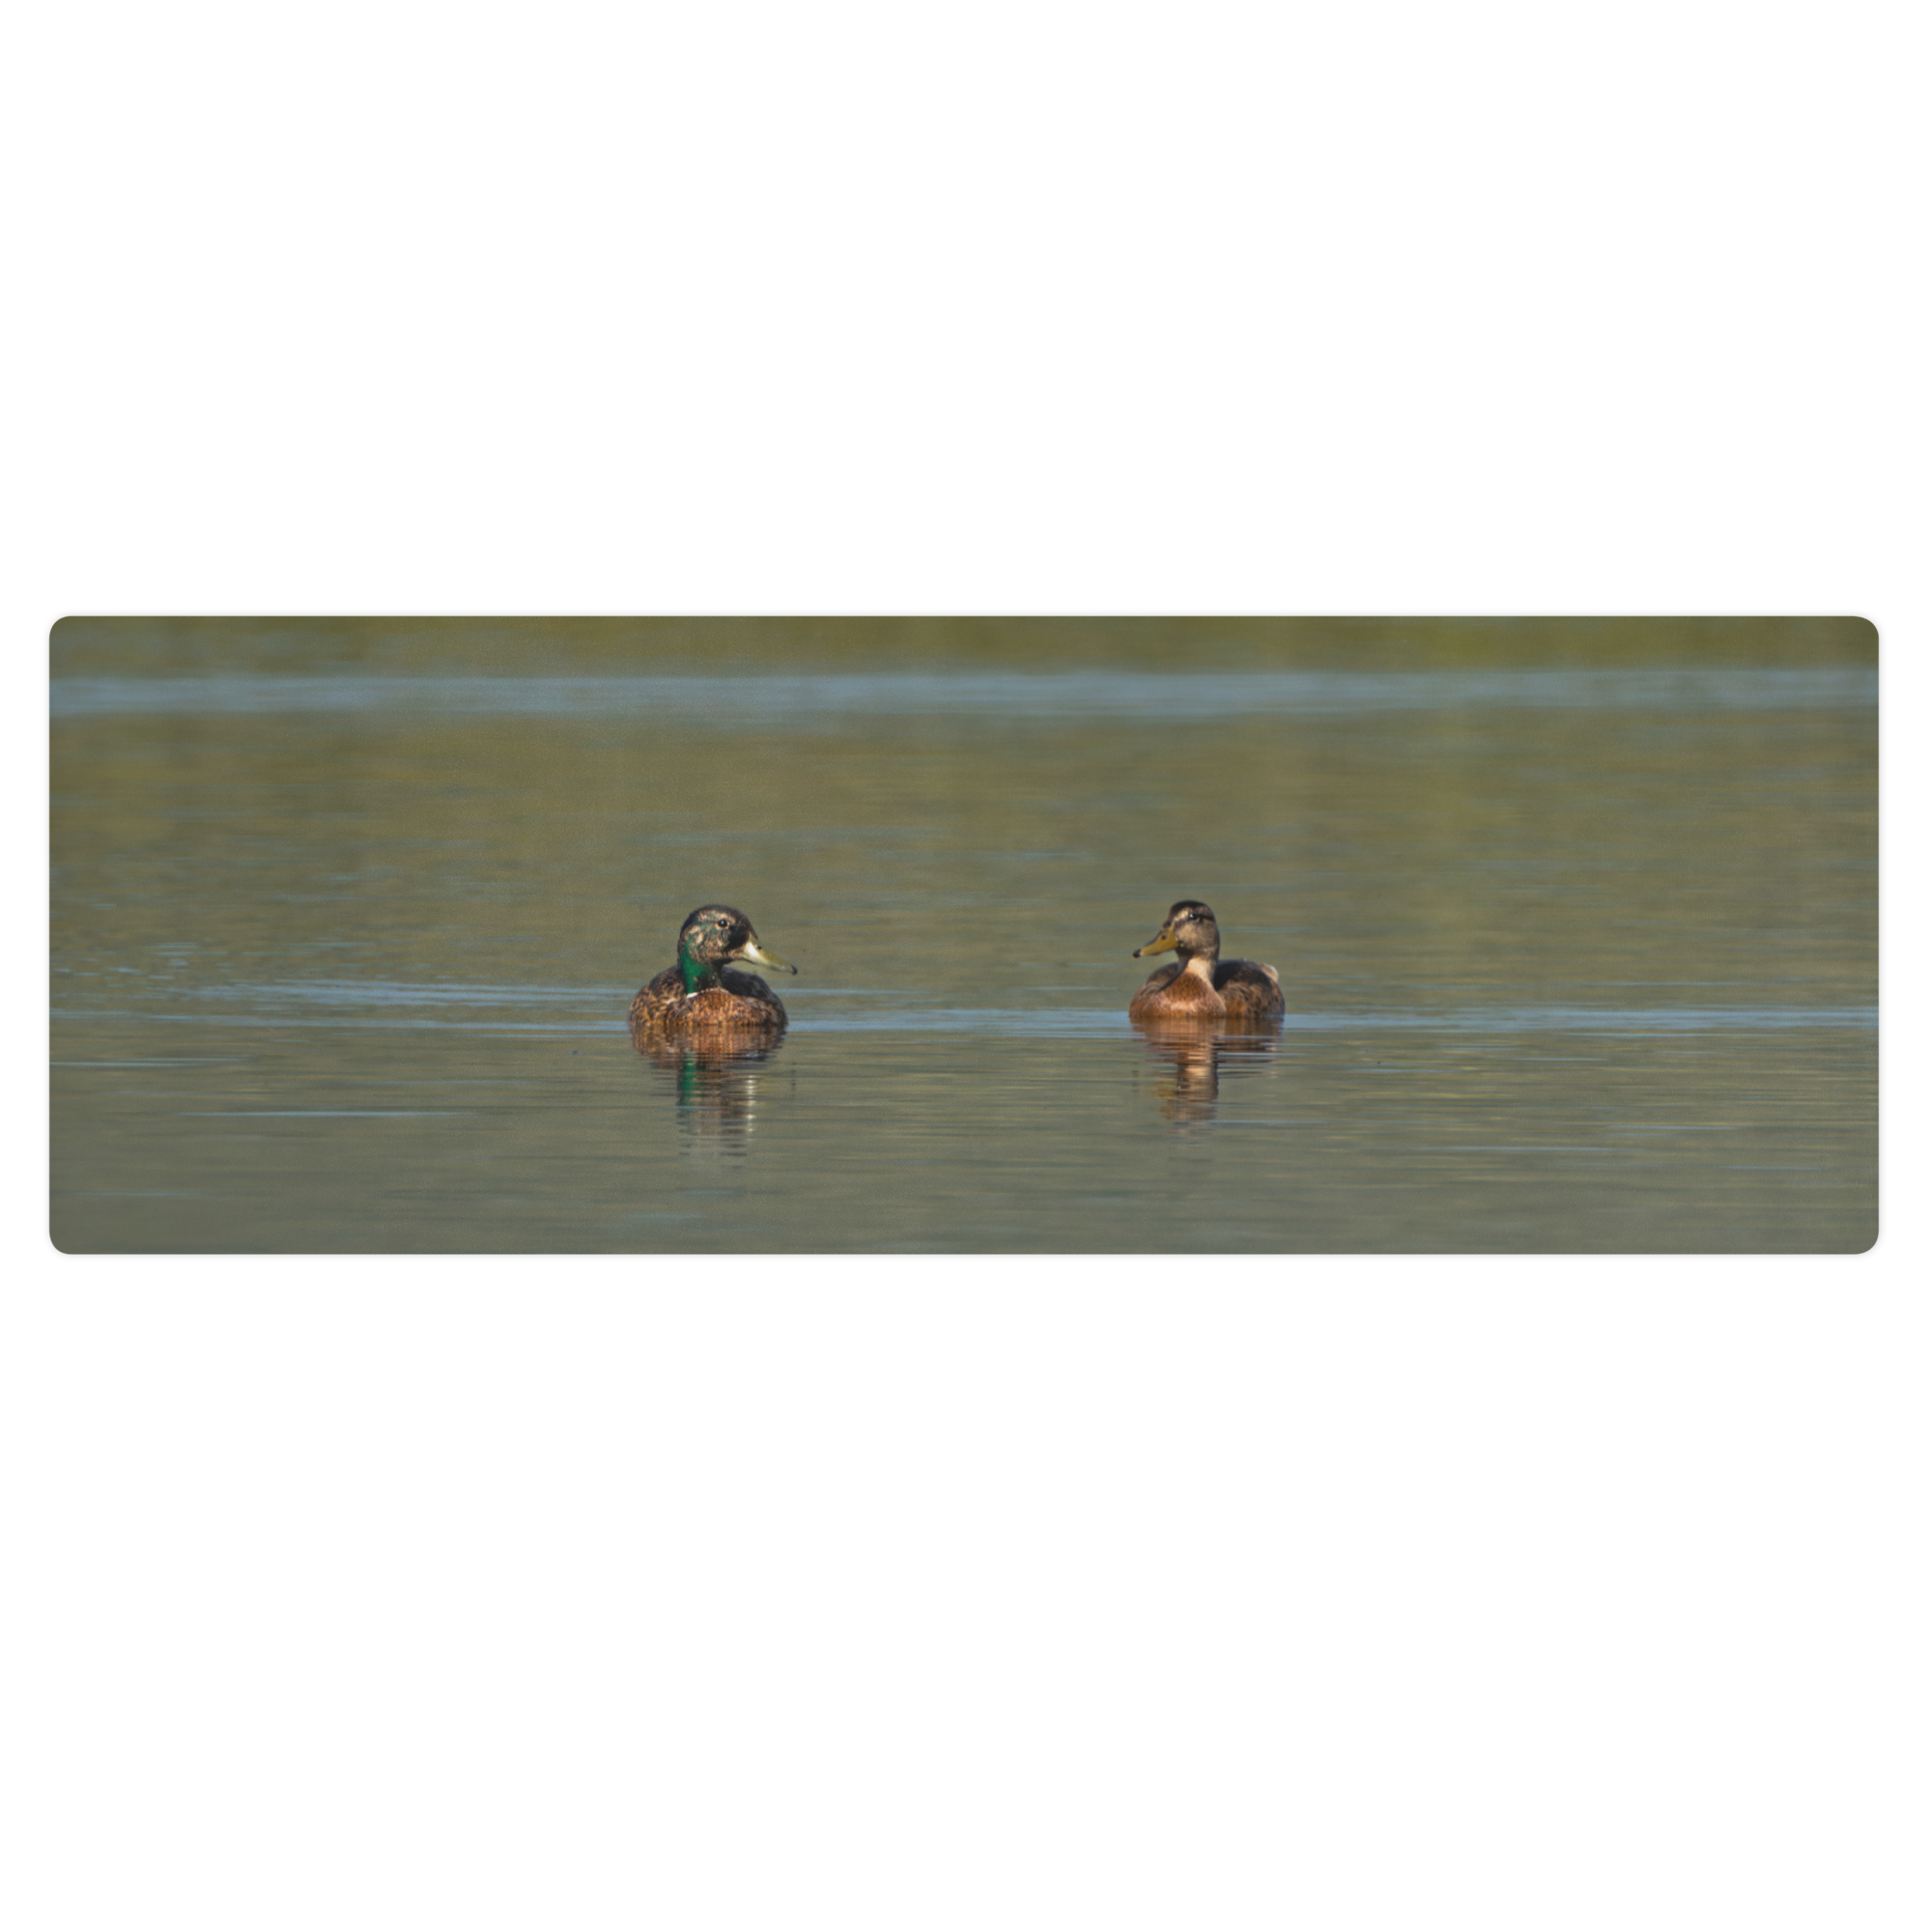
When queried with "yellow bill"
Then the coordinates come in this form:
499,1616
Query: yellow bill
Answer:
757,953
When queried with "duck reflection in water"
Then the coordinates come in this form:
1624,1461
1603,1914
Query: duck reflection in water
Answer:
715,1076
1196,1051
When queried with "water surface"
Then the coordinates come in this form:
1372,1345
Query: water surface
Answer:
1578,955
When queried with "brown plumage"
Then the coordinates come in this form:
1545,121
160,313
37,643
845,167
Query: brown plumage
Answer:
1204,986
704,994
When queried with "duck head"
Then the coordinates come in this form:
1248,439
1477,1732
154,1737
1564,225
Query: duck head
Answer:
1190,931
713,936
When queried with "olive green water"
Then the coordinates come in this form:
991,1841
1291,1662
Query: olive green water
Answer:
1578,924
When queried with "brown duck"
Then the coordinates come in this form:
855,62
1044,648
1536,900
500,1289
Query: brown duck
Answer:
1203,987
703,993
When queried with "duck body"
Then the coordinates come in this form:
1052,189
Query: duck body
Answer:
735,1002
1202,985
703,992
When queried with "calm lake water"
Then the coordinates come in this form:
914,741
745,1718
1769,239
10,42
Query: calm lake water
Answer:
1576,925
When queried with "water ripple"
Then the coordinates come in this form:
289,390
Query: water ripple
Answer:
731,702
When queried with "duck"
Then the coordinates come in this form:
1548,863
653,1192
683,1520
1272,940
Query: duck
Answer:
1203,987
701,993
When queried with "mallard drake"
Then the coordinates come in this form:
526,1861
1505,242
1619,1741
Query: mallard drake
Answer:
1203,987
701,993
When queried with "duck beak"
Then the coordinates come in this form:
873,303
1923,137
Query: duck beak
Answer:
757,953
1161,942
